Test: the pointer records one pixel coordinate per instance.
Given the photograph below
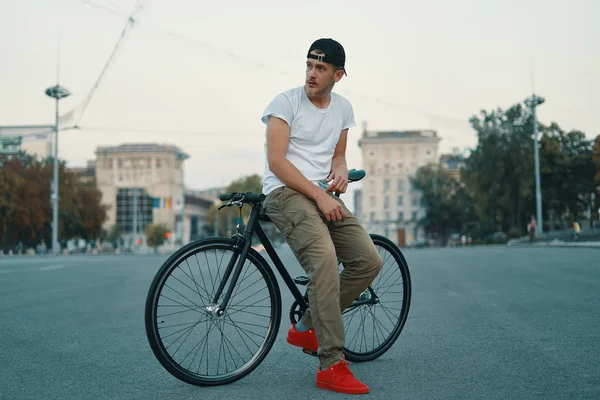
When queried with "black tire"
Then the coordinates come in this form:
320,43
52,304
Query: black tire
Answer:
393,262
271,319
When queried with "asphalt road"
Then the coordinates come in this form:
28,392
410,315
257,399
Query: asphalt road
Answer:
485,323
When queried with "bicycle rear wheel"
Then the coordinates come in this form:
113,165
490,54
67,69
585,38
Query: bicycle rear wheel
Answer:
371,329
187,337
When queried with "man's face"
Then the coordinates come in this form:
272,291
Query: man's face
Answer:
320,76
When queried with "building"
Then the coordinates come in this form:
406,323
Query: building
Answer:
39,147
196,223
453,162
143,184
35,140
86,174
387,204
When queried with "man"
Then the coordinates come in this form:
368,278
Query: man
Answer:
305,151
531,226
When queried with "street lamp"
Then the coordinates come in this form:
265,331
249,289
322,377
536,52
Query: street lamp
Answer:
57,92
532,102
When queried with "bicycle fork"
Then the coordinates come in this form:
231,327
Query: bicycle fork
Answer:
234,267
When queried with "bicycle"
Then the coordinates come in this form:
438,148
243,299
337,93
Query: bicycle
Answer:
175,309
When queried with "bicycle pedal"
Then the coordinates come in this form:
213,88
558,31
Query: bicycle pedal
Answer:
301,280
309,352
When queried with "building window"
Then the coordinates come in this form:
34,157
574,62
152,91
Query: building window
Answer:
386,185
414,215
401,216
400,201
372,201
127,206
158,163
386,202
119,163
110,164
372,216
387,216
400,185
414,201
371,168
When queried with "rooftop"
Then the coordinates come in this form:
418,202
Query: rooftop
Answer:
426,133
142,148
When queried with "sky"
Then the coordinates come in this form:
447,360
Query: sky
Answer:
199,74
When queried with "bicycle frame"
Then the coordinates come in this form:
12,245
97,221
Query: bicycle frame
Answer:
242,248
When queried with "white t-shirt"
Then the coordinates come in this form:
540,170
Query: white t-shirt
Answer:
314,134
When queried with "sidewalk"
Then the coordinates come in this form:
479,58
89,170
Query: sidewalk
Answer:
560,243
557,243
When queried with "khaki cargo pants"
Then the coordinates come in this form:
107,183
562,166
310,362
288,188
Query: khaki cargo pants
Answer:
318,244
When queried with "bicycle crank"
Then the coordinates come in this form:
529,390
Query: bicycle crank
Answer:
296,312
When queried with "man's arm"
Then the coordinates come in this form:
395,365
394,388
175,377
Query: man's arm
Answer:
278,139
339,169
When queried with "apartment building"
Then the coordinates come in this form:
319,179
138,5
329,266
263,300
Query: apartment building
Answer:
387,203
454,162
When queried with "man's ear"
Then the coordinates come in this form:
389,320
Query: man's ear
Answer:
339,74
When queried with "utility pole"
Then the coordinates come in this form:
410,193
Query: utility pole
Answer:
532,102
182,204
57,92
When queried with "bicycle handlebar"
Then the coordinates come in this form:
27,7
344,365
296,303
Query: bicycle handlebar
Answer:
244,197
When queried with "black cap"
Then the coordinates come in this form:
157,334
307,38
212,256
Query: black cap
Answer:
334,52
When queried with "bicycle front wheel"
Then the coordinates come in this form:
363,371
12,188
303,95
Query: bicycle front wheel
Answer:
185,333
373,327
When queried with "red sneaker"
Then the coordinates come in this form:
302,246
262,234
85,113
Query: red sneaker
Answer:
339,379
306,340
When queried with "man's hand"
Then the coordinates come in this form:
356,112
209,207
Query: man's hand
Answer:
332,209
338,179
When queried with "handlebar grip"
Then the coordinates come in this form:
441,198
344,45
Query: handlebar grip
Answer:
248,197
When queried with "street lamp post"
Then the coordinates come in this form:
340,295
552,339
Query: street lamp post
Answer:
532,102
57,92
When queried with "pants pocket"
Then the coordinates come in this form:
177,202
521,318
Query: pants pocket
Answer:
301,230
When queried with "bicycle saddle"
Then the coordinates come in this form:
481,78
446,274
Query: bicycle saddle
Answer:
355,175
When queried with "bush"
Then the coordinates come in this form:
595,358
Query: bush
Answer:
515,233
156,234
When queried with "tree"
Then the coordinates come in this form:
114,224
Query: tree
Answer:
25,208
448,207
156,234
567,174
499,172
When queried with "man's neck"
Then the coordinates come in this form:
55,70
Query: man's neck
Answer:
321,100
